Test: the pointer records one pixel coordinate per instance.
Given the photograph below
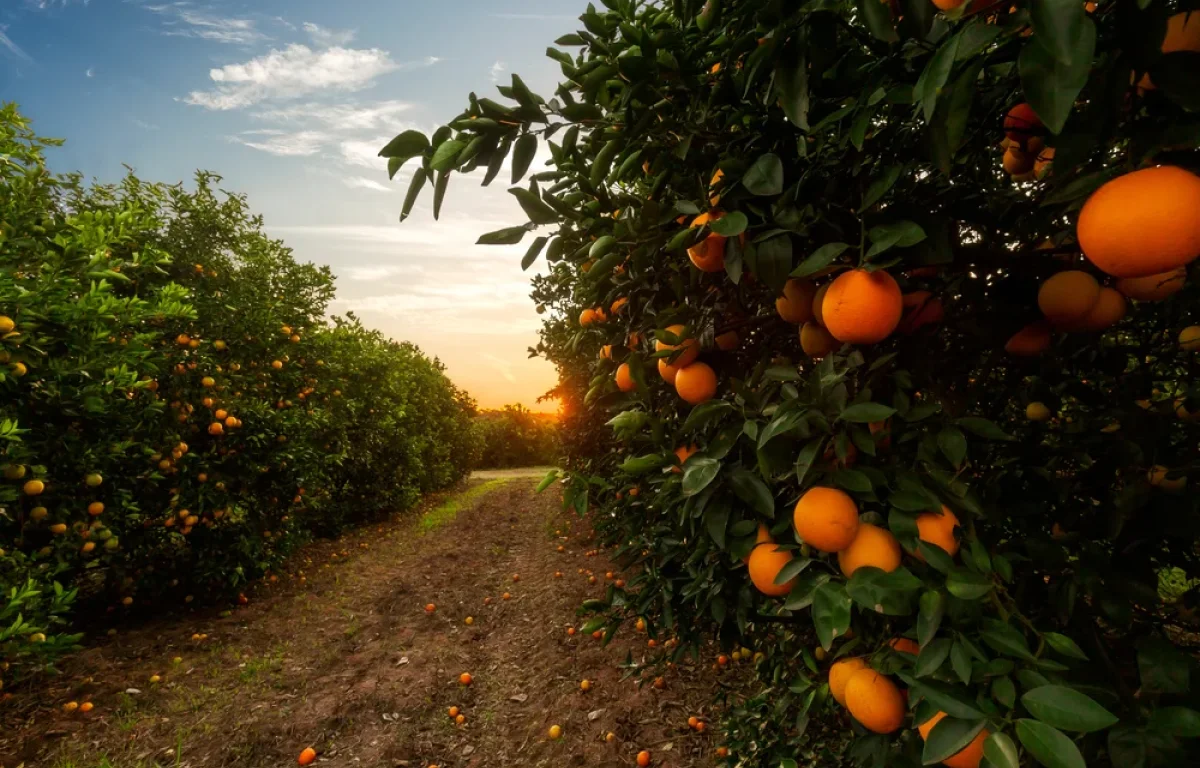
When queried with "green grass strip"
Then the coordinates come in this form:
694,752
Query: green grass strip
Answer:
449,509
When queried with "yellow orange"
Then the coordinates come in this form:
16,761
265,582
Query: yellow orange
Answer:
691,349
766,561
696,383
666,371
840,673
624,378
1189,338
874,701
826,519
938,529
872,546
818,299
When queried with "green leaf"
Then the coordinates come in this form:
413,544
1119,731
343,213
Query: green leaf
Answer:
405,147
547,481
765,176
935,75
932,657
439,192
830,612
880,186
1006,639
967,585
949,737
506,236
890,593
537,211
953,445
1059,27
706,413
902,234
983,428
699,472
1000,751
602,246
570,40
862,413
1048,745
523,152
1052,85
730,225
1163,668
1064,646
1067,709
802,593
531,255
750,488
808,454
414,190
878,18
852,480
792,569
1177,721
819,259
932,608
445,155
960,662
716,518
639,464
1004,691
791,78
773,261
951,699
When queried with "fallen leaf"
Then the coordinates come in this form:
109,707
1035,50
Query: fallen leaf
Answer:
521,697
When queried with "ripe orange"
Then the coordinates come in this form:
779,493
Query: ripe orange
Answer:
555,732
921,308
872,546
1189,341
693,721
307,756
1183,34
819,299
1017,162
840,673
727,342
948,5
1068,296
826,519
666,371
1154,287
465,678
95,508
585,685
86,707
696,383
33,487
722,751
460,719
587,317
816,341
1142,223
691,349
766,561
643,758
862,307
506,596
570,631
277,364
970,756
1021,123
618,305
795,305
1105,313
904,645
874,701
934,528
430,608
1032,340
683,453
709,254
624,378
606,352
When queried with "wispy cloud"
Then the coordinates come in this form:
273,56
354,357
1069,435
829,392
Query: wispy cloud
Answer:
362,182
376,273
348,117
179,20
533,16
296,71
497,70
91,72
503,367
7,44
326,37
298,144
363,152
144,125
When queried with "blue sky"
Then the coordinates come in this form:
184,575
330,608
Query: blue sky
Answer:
290,100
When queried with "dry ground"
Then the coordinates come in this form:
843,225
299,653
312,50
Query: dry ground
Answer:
349,662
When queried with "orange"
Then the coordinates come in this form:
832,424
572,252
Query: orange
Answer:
970,756
453,711
818,299
95,508
1183,34
587,317
709,254
840,674
643,757
430,608
874,701
307,756
1105,313
667,371
465,678
624,378
1021,123
1154,287
727,342
948,5
683,453
618,305
862,307
1189,341
795,305
904,645
606,352
934,528
1017,162
762,537
1142,223
691,350
921,308
766,561
555,732
696,383
872,546
816,341
1068,296
1033,339
1157,476
33,487
826,519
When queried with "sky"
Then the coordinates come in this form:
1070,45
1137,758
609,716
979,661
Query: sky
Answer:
290,101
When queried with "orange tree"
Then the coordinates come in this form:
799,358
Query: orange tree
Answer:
516,437
887,309
178,412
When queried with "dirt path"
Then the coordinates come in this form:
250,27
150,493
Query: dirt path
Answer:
518,472
347,660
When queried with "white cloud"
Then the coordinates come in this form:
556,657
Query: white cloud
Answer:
376,273
144,125
357,117
326,37
364,152
496,70
362,182
7,43
296,71
503,367
91,72
299,144
532,16
181,21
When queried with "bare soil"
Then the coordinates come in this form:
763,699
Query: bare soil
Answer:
347,660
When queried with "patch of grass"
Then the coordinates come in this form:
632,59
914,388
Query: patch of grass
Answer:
449,509
252,668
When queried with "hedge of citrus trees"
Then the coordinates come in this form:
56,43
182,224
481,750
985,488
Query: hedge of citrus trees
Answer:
514,436
887,309
177,412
